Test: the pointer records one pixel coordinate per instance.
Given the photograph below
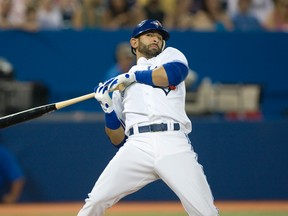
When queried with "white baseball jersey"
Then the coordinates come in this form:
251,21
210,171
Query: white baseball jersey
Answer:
147,157
153,104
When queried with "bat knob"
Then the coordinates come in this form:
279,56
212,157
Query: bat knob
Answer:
120,87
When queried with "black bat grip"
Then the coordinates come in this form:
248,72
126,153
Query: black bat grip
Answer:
25,115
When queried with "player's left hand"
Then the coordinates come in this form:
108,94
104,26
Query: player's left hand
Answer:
120,82
102,96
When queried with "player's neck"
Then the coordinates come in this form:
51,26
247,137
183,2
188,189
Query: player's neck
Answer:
140,55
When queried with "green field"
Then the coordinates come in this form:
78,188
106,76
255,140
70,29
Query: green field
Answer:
169,214
146,209
172,214
222,214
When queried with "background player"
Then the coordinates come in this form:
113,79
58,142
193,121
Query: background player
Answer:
12,178
148,120
124,60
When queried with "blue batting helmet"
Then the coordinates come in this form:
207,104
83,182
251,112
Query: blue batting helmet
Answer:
150,25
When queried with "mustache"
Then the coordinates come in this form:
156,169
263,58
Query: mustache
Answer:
154,44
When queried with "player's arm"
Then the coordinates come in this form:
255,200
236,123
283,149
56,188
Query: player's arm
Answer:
114,129
169,74
113,126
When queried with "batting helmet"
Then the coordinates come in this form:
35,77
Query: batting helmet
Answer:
150,25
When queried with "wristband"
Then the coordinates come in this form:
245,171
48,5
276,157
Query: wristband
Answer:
144,77
112,120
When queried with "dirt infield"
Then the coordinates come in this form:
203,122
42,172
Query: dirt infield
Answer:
130,207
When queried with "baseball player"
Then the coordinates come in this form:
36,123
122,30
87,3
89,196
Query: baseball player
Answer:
146,119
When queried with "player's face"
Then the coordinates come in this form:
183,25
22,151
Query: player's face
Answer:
150,44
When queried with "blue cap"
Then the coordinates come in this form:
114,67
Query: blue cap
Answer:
150,25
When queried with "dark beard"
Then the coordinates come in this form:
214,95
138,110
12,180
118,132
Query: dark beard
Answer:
147,52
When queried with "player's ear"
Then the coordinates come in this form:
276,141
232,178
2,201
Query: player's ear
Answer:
134,42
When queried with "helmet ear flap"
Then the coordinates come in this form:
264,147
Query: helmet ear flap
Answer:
133,50
163,45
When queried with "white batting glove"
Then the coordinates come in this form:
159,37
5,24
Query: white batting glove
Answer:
103,97
120,82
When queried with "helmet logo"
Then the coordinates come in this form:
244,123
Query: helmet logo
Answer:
141,23
156,23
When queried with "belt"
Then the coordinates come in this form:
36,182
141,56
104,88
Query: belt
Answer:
154,128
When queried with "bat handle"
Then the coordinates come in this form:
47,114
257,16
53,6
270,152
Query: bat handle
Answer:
66,103
69,102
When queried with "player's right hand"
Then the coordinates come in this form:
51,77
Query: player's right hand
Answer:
120,82
103,97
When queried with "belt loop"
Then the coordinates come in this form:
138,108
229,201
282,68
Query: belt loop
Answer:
170,126
135,129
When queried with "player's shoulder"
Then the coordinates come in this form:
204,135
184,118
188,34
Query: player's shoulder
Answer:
171,50
172,54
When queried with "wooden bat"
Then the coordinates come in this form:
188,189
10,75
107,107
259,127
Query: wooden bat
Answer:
35,112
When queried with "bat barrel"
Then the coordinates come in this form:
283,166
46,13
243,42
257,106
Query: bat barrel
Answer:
26,115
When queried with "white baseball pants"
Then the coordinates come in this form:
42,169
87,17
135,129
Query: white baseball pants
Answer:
145,158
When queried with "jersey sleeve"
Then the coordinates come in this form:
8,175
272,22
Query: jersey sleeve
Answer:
171,54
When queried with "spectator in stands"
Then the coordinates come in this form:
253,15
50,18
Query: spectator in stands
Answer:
168,6
72,13
212,17
31,23
93,13
12,179
9,20
278,18
5,9
243,20
16,15
10,15
49,16
153,10
124,60
258,8
117,14
182,17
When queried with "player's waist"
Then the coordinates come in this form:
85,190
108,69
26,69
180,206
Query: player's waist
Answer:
161,127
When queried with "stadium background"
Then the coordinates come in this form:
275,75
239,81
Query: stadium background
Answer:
62,154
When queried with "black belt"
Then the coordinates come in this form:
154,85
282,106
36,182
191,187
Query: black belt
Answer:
154,128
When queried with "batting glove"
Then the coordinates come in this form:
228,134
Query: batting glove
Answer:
120,82
103,97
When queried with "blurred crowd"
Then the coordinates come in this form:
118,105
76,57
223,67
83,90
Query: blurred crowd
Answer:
197,15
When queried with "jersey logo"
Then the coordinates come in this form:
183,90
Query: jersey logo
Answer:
166,90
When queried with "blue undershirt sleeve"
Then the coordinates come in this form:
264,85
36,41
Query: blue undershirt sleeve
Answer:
176,73
144,77
112,121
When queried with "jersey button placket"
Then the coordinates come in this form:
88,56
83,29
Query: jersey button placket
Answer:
147,101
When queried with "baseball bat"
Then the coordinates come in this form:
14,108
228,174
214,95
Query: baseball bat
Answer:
36,112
